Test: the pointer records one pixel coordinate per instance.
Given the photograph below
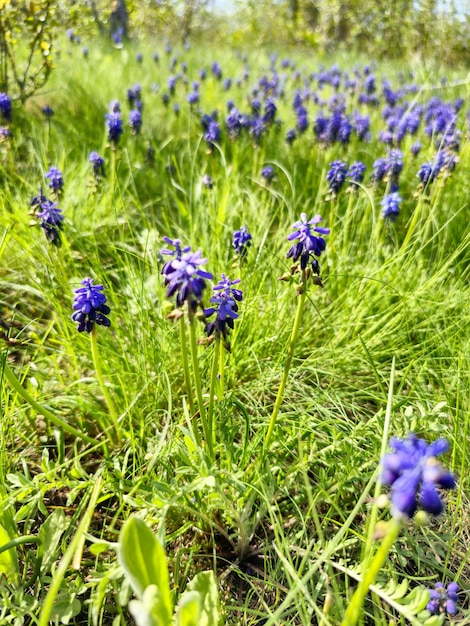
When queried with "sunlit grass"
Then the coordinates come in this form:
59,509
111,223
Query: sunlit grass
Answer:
283,534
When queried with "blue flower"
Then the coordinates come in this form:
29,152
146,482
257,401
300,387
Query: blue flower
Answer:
97,162
308,244
241,241
114,123
267,173
413,473
183,275
391,205
443,600
225,299
207,181
56,181
90,306
336,175
212,134
51,219
135,121
356,172
47,112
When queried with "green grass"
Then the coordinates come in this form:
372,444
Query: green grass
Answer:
284,534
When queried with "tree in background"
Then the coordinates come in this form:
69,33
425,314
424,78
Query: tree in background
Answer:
26,38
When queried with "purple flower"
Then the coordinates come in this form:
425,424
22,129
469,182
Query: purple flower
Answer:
114,123
307,244
212,134
234,122
379,169
207,181
183,275
291,136
216,70
56,181
225,299
5,106
135,121
391,205
356,172
241,241
90,307
415,148
97,162
413,473
50,217
443,600
193,97
336,175
267,173
47,112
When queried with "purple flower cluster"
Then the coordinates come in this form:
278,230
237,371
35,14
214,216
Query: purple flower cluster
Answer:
336,175
267,173
443,600
391,205
414,474
56,180
89,305
50,217
241,241
135,121
97,163
183,274
114,123
308,245
224,299
5,106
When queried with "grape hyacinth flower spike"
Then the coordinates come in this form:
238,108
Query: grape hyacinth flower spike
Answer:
90,306
56,180
50,216
305,248
185,279
90,309
443,600
97,163
225,307
51,221
183,274
416,479
307,245
413,473
241,241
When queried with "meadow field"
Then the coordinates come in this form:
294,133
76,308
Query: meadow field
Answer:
288,448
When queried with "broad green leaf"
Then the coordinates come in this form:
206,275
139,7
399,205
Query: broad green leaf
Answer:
146,612
205,584
65,608
143,559
188,611
8,558
50,534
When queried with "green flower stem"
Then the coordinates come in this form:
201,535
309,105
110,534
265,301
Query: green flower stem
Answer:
197,380
221,373
290,353
42,410
214,380
184,354
99,376
354,609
